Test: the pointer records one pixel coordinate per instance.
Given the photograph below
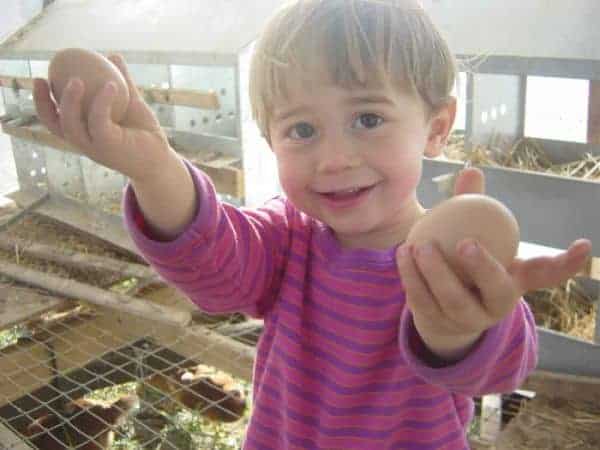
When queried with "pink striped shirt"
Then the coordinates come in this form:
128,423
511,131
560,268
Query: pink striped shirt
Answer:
339,364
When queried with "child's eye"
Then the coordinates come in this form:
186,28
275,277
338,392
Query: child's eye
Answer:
302,130
368,120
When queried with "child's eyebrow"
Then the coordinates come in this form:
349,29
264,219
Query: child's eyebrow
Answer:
369,98
286,113
359,99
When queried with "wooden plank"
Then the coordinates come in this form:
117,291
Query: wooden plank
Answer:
16,82
592,269
593,128
39,134
227,179
77,260
183,97
101,297
558,385
18,304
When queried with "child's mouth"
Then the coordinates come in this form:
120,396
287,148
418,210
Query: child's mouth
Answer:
346,197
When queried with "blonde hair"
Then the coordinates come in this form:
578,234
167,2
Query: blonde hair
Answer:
351,43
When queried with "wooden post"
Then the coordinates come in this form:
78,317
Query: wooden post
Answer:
97,296
593,131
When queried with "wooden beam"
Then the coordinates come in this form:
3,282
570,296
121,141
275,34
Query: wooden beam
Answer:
97,296
37,133
184,97
226,178
18,304
592,269
16,82
573,387
593,129
76,260
181,97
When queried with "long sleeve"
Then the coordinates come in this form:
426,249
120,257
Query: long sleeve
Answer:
499,362
228,259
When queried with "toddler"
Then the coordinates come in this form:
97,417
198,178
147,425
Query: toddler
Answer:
368,344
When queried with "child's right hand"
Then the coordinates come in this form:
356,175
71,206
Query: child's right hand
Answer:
135,147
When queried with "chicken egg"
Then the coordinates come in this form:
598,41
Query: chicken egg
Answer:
476,216
95,70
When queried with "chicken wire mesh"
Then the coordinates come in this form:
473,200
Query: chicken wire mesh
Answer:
73,374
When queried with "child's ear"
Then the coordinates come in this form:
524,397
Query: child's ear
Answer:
440,125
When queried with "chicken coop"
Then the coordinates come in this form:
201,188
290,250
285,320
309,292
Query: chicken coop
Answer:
97,352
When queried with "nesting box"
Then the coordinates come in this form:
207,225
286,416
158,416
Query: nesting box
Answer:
191,61
500,45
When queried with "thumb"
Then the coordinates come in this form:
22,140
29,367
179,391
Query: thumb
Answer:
469,181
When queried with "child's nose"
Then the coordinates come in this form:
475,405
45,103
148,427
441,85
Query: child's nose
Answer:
337,153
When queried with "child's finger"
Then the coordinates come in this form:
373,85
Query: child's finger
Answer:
457,303
119,61
498,291
45,107
470,181
549,271
139,114
71,116
418,296
100,125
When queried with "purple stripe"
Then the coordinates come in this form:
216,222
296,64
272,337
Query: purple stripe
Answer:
364,433
357,276
379,325
201,275
334,360
516,341
352,299
339,340
380,387
363,409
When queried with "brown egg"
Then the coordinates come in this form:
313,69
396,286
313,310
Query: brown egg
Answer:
475,216
95,70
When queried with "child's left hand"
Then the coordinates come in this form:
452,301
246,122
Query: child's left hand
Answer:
449,315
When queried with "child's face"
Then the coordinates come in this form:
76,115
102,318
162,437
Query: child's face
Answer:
352,158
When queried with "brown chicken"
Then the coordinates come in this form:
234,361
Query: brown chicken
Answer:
213,396
85,425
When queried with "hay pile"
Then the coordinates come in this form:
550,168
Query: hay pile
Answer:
525,154
566,308
553,424
544,423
